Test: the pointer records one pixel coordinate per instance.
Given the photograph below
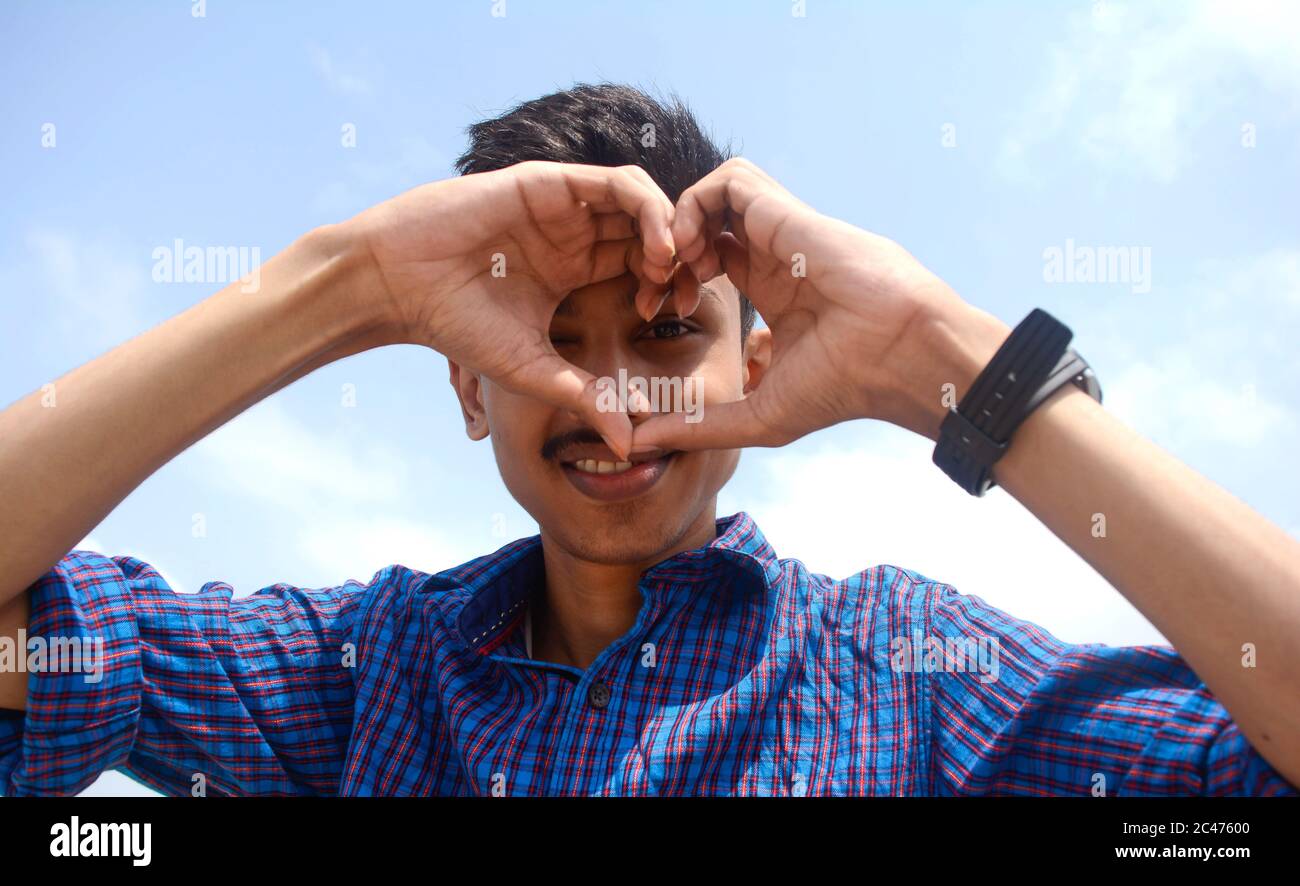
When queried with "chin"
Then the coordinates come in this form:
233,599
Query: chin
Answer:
642,530
619,533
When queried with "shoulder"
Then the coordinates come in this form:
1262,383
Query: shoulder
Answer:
869,607
883,588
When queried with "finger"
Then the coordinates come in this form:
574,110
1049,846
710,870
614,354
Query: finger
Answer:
637,402
650,300
687,301
644,269
686,292
709,265
615,226
736,226
610,259
645,178
557,381
633,193
618,257
754,169
717,223
731,425
727,187
614,258
735,260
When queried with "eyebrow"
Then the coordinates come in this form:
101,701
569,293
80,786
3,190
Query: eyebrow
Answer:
566,308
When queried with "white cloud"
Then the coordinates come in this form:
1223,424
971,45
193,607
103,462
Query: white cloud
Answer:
891,504
267,454
1273,277
1220,384
1136,85
1177,401
350,80
115,784
329,484
91,285
91,543
341,549
403,164
1226,375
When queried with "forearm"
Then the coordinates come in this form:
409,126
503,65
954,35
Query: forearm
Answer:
70,454
1209,572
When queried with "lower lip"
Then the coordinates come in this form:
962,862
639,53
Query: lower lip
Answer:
615,487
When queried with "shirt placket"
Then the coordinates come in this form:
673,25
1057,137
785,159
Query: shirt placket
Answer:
596,695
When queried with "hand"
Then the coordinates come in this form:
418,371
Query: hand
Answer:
860,329
475,266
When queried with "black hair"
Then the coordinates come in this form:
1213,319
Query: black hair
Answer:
603,124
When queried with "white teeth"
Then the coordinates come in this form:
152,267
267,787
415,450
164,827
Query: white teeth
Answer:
593,466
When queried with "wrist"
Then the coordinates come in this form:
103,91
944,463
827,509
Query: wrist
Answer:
1056,415
338,285
946,354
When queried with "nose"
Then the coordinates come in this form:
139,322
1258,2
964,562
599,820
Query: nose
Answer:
621,373
605,353
603,356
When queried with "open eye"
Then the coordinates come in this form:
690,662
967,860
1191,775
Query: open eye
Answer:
667,328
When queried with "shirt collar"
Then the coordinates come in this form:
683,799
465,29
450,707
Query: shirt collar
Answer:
495,587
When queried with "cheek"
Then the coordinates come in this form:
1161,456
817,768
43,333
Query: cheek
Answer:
722,464
704,474
517,427
720,378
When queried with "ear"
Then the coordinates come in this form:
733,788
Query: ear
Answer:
758,356
469,391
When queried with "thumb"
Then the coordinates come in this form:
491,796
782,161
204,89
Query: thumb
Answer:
730,425
555,380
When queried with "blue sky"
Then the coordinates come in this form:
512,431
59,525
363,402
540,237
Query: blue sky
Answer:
978,135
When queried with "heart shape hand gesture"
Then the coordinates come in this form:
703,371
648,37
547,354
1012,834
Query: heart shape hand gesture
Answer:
475,267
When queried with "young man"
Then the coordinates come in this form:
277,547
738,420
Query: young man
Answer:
638,645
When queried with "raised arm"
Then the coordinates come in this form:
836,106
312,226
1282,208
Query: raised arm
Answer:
860,329
472,266
71,453
1219,580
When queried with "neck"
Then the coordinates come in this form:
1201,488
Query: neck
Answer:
589,605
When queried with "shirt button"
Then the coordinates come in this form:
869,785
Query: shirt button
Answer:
598,695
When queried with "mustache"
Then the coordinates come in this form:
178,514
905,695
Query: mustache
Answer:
551,448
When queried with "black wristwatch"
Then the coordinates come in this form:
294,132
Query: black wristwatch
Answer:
1032,364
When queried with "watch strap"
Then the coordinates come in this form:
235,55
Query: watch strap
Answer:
1031,365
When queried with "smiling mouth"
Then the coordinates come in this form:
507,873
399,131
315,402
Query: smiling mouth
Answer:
607,480
595,466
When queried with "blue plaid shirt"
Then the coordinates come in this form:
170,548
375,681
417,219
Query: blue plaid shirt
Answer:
744,674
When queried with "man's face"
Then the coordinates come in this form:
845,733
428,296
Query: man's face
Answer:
558,468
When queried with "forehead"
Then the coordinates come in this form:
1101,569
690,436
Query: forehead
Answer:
719,291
